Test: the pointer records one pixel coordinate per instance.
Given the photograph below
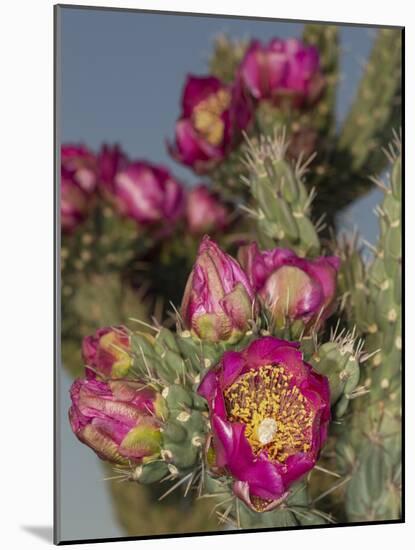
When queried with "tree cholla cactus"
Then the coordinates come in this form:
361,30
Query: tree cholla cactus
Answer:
281,370
225,406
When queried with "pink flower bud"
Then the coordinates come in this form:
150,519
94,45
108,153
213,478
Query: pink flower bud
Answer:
107,353
78,183
148,194
218,300
282,69
204,211
292,287
120,420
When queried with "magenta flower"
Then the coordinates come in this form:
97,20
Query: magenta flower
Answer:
111,160
107,353
269,413
120,420
282,69
149,194
78,182
292,287
204,211
218,300
212,118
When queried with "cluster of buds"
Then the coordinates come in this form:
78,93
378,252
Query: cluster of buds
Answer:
148,427
286,73
269,410
119,418
222,296
141,191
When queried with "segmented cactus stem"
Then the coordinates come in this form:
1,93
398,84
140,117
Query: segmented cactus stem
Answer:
370,446
281,202
326,39
366,130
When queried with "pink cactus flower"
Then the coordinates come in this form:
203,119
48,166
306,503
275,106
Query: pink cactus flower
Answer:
269,413
204,211
282,69
149,194
111,160
213,115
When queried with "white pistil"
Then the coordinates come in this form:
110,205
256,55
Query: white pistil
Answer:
266,430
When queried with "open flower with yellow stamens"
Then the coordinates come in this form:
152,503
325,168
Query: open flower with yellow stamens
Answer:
269,413
213,115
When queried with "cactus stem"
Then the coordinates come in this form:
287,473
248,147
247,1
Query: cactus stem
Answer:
150,374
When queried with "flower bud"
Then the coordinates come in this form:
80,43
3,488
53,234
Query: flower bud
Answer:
107,353
120,420
218,300
78,183
148,194
282,70
111,160
292,287
204,212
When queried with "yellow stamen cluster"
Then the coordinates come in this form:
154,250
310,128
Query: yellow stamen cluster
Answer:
277,417
207,116
259,503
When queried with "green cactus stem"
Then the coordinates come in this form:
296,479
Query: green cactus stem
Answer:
90,301
226,56
326,39
141,512
370,445
297,509
281,202
366,129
